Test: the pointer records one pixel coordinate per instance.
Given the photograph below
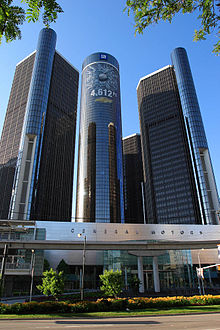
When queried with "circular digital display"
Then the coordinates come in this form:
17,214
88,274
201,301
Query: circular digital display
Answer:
101,75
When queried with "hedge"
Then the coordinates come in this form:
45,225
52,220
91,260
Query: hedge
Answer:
105,305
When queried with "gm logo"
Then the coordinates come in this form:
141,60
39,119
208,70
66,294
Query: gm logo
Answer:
103,57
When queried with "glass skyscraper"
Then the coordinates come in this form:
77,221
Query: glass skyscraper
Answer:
100,170
12,129
203,171
43,103
179,181
133,179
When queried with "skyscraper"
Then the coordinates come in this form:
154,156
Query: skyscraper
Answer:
100,171
200,156
177,168
133,179
12,129
38,138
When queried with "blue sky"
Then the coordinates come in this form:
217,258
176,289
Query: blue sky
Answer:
89,26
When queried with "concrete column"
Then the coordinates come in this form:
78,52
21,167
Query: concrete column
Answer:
156,275
141,274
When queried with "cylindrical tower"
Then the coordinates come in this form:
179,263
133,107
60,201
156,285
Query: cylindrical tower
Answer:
33,128
203,172
100,170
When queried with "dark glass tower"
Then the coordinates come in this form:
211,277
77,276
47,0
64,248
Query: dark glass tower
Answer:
100,172
133,179
170,187
179,181
12,130
48,86
203,171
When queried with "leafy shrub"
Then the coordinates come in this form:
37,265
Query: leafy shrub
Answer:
103,305
119,304
3,308
52,283
112,282
80,307
134,282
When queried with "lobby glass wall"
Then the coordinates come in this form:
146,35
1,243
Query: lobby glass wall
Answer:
175,270
177,273
19,262
100,172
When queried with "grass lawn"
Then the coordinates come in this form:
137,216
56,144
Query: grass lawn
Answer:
140,312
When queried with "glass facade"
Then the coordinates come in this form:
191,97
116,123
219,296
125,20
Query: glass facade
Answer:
175,269
100,171
133,179
31,142
18,263
56,164
12,130
206,188
43,180
169,182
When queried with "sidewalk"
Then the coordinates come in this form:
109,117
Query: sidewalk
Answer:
13,300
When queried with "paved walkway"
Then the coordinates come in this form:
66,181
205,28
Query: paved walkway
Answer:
14,300
190,322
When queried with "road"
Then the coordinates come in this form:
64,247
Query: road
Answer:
191,322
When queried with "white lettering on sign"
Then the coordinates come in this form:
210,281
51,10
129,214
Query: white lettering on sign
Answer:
152,232
103,92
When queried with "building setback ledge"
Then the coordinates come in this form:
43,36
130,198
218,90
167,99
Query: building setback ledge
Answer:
126,245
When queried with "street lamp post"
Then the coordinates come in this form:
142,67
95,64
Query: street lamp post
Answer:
2,274
32,272
83,266
201,276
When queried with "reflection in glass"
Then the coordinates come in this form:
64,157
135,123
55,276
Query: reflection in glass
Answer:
100,173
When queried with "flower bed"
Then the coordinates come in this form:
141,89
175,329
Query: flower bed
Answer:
106,305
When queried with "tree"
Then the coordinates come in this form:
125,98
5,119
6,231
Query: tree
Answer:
147,12
52,283
63,267
11,17
46,265
134,282
112,282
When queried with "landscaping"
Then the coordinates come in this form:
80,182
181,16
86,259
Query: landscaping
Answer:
59,305
112,305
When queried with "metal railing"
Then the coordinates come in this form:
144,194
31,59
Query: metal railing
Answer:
17,266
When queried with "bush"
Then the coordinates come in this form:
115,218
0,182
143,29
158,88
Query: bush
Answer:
104,305
52,283
119,304
134,283
112,282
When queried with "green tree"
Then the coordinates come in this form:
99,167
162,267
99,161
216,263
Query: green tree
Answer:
52,283
63,267
134,282
147,12
112,282
12,17
46,265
